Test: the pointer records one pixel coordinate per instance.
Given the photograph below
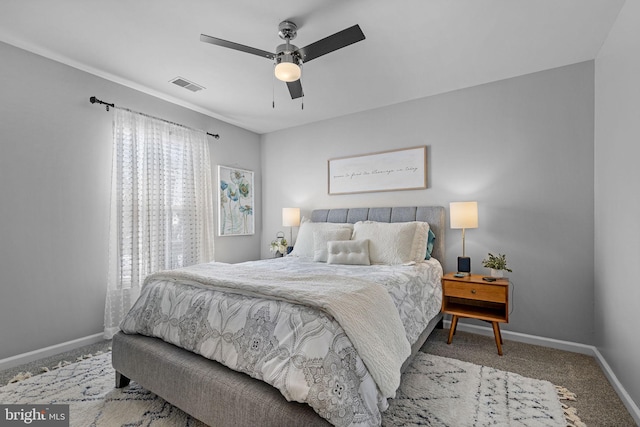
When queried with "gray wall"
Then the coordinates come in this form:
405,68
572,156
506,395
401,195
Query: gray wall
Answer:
617,204
55,169
523,148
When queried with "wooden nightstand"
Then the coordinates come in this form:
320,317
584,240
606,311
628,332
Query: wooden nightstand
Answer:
472,297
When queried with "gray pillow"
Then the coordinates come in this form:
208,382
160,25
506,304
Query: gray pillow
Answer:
351,252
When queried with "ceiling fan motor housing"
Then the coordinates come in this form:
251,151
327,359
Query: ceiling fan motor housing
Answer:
288,53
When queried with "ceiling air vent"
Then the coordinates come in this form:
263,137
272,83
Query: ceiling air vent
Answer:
182,82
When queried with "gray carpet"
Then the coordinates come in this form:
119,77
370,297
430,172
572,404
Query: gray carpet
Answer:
598,404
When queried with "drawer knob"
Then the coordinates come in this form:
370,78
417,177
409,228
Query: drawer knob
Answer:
473,291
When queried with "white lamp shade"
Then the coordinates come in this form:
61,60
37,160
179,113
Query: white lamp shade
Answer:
288,72
463,214
290,217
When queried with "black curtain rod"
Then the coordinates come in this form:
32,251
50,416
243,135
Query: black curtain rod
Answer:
95,100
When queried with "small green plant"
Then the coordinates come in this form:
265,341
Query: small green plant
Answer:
497,262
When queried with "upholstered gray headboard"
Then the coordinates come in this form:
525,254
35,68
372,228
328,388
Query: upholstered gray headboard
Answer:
434,215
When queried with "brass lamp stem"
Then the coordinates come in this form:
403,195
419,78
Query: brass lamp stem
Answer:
463,242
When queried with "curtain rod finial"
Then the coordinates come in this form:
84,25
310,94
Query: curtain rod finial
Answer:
93,100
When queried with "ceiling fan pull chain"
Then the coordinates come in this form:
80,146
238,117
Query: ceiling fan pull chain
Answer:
273,91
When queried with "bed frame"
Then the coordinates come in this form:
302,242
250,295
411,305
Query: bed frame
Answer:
221,397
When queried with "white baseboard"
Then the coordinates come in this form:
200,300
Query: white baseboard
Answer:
589,350
631,406
527,339
13,361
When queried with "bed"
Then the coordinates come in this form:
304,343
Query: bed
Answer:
281,359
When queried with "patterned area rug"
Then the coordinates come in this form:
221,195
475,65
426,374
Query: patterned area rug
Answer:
435,391
438,391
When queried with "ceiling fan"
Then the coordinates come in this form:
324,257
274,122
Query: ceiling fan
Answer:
288,57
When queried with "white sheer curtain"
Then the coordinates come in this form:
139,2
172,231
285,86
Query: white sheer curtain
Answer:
161,206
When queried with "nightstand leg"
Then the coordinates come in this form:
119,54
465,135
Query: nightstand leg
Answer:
452,330
498,336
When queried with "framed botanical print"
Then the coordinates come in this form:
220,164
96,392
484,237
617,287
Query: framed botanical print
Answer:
235,202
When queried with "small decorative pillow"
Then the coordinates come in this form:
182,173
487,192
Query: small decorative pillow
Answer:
321,237
351,252
304,246
394,243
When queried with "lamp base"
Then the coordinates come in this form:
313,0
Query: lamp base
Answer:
464,265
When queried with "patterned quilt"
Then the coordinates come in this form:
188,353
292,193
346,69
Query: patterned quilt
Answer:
302,351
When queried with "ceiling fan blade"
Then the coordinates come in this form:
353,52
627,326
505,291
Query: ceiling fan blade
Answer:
236,46
295,89
334,42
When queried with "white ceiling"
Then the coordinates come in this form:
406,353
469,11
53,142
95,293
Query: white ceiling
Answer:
413,48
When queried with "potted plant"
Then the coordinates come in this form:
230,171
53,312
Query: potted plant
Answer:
497,264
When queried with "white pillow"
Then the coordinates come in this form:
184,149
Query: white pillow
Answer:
321,237
304,242
394,243
351,252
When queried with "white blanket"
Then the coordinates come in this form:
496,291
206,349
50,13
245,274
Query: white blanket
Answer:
364,309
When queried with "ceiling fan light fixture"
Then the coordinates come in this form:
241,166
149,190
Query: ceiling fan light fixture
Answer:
288,72
287,68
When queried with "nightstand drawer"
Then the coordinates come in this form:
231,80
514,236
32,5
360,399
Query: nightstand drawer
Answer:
475,291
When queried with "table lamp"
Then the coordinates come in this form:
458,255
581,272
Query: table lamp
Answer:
463,215
290,218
